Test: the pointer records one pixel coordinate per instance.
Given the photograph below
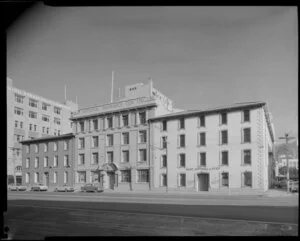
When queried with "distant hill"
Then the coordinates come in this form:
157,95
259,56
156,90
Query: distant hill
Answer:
280,149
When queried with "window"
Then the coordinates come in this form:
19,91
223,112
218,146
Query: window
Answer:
142,117
46,118
142,136
95,141
247,157
95,124
95,158
143,175
21,124
33,103
27,148
18,111
163,180
19,98
58,132
65,177
202,159
110,140
202,139
224,137
18,138
27,164
36,177
47,130
118,121
57,110
224,155
18,169
35,128
95,177
125,176
110,157
66,145
55,161
247,176
182,141
246,115
36,148
181,123
202,121
225,179
164,142
247,135
125,120
109,122
81,159
125,138
125,156
182,160
45,161
16,124
56,121
36,162
142,155
81,177
55,147
164,125
54,177
44,106
32,115
164,161
66,160
27,177
81,126
81,143
224,118
182,181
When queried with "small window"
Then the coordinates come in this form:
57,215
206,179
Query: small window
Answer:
95,142
224,137
32,115
246,115
81,159
181,123
163,180
66,160
110,157
224,155
56,121
164,125
19,98
44,106
125,138
182,180
95,124
55,161
27,164
182,160
142,136
224,118
182,141
36,177
55,147
202,121
247,179
57,110
125,176
95,158
202,139
142,155
164,161
45,161
202,159
125,120
143,175
81,177
18,111
81,126
33,103
142,117
81,143
125,156
16,124
110,140
247,157
109,122
247,135
164,142
36,162
46,118
225,179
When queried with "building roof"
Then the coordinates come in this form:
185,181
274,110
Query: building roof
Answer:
216,109
48,138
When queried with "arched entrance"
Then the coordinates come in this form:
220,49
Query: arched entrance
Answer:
112,177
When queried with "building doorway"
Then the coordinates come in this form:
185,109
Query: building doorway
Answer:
46,178
19,180
203,180
111,179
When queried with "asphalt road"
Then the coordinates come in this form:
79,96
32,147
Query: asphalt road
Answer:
35,219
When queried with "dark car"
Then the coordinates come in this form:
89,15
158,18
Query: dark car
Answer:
89,187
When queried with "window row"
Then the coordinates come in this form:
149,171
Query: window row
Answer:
110,140
46,161
224,159
46,147
38,179
201,120
111,122
33,115
201,138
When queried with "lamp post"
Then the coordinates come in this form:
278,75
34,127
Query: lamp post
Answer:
287,138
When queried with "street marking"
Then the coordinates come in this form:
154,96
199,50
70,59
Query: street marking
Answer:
154,214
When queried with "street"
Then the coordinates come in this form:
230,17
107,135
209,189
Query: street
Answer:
77,214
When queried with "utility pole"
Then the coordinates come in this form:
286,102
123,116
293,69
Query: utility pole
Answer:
287,138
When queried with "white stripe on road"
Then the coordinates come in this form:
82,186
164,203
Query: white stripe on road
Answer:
152,214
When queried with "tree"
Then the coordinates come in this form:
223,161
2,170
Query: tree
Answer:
293,171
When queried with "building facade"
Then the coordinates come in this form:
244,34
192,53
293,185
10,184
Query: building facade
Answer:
30,116
112,140
48,160
221,149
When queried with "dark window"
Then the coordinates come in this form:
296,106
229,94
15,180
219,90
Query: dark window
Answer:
126,138
182,180
182,160
247,157
202,159
110,157
164,180
164,142
181,123
143,176
224,137
95,123
164,161
125,120
109,122
182,140
202,139
142,118
247,135
224,118
246,115
164,124
224,157
225,181
125,156
202,121
125,176
248,179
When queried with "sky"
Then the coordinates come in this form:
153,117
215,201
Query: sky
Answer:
200,57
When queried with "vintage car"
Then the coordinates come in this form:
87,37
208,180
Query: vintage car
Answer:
90,187
39,187
64,188
16,188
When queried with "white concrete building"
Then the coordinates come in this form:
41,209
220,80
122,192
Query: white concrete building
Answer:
221,149
31,116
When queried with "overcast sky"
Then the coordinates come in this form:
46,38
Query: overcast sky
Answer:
199,57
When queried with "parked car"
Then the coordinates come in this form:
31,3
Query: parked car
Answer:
17,188
64,188
39,187
294,186
90,187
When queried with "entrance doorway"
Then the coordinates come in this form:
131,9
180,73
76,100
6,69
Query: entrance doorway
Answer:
111,178
203,180
46,178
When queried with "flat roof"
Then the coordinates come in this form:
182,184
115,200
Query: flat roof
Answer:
48,138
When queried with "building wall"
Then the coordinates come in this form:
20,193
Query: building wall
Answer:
60,169
212,149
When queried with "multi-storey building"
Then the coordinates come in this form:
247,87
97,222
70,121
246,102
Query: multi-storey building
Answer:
48,160
221,149
30,116
112,140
